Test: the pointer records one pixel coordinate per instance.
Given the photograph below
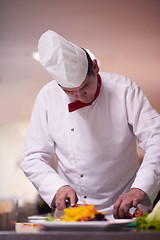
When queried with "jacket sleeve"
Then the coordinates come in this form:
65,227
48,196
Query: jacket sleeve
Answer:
38,150
145,122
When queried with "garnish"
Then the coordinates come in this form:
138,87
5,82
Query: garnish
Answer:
149,220
49,217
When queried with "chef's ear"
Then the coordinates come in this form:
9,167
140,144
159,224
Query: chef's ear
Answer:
95,66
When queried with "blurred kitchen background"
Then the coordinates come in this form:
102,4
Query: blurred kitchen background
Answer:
123,34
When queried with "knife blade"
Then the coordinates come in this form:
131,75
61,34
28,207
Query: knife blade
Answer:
59,213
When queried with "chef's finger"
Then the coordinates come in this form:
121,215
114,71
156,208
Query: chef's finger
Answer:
135,203
121,213
73,199
60,201
125,206
60,205
124,211
116,208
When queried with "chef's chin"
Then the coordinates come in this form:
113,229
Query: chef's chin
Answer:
87,100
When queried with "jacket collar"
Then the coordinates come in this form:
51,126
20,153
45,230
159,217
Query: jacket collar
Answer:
73,106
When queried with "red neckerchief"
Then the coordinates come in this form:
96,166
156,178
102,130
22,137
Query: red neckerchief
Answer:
78,104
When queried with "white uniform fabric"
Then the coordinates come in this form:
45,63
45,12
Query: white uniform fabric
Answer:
95,145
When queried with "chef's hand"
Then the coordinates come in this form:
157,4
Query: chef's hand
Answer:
126,201
62,194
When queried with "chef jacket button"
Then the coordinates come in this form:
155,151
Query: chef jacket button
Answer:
72,129
81,175
85,196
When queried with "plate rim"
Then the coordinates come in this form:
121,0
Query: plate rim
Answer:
58,223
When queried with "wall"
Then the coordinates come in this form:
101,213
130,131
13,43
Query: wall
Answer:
124,35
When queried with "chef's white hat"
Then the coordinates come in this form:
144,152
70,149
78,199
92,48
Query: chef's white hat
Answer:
66,62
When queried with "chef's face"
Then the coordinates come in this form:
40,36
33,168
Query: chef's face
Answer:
86,91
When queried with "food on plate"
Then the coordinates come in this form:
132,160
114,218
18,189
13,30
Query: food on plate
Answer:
138,212
80,213
49,217
150,220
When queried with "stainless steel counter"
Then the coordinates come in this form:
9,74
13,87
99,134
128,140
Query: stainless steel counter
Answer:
77,235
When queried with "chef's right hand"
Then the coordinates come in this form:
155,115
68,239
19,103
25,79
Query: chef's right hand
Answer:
64,193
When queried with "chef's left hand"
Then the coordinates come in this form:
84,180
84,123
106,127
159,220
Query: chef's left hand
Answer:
126,201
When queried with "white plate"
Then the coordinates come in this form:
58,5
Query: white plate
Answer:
116,224
36,218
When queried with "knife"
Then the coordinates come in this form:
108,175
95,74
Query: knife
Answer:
59,213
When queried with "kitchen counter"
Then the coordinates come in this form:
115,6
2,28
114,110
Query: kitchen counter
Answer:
80,235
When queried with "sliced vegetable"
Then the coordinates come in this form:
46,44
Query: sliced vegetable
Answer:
82,213
138,212
150,220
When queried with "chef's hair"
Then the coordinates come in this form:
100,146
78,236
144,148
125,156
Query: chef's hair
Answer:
90,64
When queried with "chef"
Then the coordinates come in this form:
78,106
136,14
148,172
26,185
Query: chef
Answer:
91,121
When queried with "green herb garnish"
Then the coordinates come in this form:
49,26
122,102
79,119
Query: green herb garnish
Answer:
49,217
149,220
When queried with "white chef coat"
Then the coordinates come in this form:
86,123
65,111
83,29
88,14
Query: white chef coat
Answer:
95,145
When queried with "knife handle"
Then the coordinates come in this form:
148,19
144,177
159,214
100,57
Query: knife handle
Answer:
67,203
